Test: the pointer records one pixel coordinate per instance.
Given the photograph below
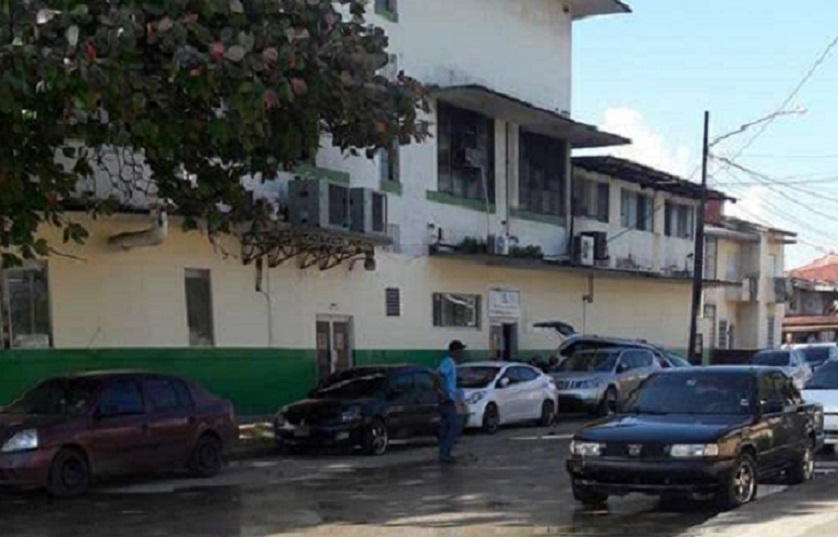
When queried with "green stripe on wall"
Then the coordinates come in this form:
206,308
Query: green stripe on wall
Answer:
257,381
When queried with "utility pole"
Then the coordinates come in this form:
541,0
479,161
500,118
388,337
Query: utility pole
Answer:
698,255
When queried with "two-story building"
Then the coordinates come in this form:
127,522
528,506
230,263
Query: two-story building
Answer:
481,233
746,291
813,309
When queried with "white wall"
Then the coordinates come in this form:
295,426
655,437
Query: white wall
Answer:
520,47
113,298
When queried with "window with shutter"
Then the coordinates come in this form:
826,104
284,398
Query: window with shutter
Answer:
393,302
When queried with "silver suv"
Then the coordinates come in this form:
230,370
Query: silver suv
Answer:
597,379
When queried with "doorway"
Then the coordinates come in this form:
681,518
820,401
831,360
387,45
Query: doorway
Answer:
504,341
334,345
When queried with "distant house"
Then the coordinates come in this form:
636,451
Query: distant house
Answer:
813,309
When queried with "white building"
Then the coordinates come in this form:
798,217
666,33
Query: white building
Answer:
486,236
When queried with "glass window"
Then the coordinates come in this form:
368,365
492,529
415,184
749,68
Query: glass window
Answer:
591,360
352,387
787,391
56,397
711,258
637,211
693,393
121,398
773,358
199,308
679,220
465,154
471,377
767,389
524,374
424,382
456,310
388,161
542,170
591,199
825,378
389,8
25,308
162,396
184,397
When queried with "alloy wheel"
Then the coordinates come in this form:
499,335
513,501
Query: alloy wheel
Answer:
744,483
380,439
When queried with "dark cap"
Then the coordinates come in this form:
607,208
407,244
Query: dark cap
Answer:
456,345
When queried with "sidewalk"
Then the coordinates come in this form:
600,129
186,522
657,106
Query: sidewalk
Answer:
809,510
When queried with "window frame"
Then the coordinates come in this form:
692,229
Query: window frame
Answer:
109,384
452,124
194,273
592,199
674,212
637,210
389,9
438,315
547,155
389,164
7,328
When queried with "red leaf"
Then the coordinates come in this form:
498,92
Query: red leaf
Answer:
90,50
217,52
299,85
270,56
270,99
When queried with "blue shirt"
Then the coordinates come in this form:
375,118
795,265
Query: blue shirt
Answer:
448,375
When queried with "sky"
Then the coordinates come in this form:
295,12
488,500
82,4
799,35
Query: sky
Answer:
650,75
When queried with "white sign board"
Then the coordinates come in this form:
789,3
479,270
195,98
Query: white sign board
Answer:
504,304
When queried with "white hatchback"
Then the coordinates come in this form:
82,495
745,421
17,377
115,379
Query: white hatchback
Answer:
823,389
500,393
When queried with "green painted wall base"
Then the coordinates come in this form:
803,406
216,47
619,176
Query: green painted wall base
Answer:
258,381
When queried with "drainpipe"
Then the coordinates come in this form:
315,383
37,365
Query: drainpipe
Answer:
152,236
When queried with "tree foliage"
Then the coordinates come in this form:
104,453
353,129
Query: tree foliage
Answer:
198,92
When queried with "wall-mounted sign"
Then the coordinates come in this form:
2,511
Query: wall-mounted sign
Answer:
504,304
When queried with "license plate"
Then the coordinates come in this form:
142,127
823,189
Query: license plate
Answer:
302,431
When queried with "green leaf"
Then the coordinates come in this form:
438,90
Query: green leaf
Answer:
235,53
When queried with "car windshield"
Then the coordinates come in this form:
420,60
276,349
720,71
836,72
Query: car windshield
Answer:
772,359
476,376
825,378
56,397
352,388
588,361
696,393
815,355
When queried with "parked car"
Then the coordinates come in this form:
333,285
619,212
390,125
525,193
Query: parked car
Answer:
790,360
66,431
823,389
596,380
674,360
713,430
500,393
362,407
817,354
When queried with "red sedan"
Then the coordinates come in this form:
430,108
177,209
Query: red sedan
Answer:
68,430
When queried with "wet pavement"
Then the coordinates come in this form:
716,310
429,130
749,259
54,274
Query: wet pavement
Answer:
513,483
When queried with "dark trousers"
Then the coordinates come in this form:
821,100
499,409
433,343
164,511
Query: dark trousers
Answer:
450,427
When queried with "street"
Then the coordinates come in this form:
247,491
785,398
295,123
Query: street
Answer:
513,483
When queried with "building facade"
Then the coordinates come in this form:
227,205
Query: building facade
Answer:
813,309
485,231
746,290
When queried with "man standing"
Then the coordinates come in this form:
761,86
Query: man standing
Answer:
450,402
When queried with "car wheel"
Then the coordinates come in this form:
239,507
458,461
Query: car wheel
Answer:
376,438
804,467
548,414
741,485
207,457
491,419
608,405
588,497
69,474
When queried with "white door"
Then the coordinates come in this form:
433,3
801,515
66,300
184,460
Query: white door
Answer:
532,392
511,396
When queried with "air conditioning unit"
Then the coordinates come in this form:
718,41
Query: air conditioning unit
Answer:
498,244
583,248
600,244
368,211
318,203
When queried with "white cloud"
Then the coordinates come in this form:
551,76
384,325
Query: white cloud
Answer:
647,147
751,205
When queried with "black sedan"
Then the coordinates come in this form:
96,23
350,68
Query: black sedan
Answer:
362,407
699,431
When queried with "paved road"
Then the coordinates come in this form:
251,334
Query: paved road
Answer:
513,482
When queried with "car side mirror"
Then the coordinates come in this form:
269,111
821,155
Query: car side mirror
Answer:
503,383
